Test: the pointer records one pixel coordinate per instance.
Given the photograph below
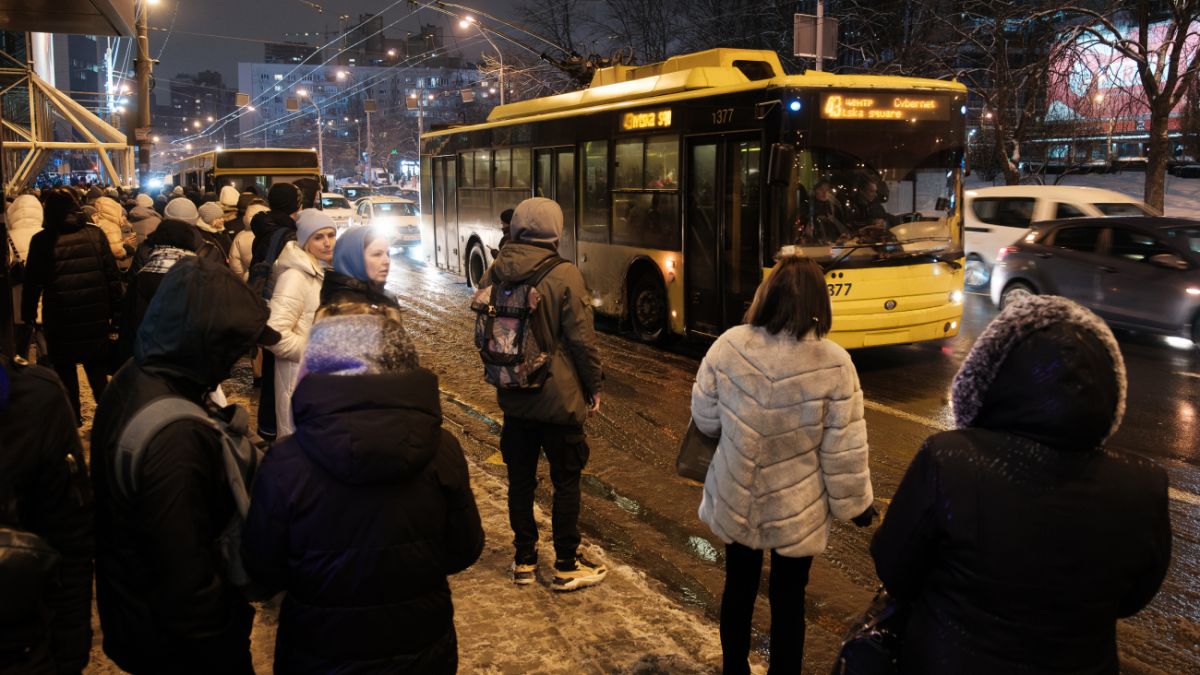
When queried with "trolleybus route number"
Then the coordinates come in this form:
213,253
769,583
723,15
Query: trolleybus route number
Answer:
839,289
722,116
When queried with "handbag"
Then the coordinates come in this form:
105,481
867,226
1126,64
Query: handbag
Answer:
695,453
16,266
872,644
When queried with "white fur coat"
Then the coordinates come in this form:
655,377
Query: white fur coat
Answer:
793,443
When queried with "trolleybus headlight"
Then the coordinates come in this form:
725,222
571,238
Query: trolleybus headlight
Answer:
794,106
956,297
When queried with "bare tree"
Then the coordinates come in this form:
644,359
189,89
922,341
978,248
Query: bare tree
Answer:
649,29
893,37
566,22
1166,60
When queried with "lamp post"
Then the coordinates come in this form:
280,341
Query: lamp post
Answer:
303,93
469,21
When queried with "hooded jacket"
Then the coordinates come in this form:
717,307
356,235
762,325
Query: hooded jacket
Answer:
264,226
360,516
110,217
71,264
164,602
793,449
24,220
1018,540
293,305
43,476
564,322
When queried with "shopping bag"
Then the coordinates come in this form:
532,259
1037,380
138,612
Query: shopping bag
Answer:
695,454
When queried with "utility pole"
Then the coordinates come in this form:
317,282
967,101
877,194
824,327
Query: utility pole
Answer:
820,32
143,69
370,106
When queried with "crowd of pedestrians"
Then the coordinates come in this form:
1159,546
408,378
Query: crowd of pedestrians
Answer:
362,506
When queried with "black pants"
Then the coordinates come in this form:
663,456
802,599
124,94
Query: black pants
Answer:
789,577
266,397
96,369
566,448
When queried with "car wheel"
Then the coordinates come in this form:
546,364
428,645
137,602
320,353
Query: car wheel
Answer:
1015,291
476,265
976,275
648,308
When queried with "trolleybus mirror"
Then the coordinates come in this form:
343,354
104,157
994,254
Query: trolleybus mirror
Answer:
783,157
942,204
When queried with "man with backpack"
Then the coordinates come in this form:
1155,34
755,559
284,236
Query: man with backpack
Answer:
45,527
547,385
272,231
165,495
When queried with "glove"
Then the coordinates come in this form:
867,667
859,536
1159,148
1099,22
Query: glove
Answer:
865,518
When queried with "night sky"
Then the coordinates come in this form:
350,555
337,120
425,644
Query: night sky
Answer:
245,24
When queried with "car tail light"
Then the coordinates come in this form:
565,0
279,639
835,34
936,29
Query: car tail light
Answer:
1004,252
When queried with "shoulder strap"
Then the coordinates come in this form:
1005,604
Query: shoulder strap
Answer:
544,268
12,246
145,424
278,241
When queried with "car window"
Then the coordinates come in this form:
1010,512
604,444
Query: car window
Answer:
1188,237
362,209
1062,210
395,209
1123,209
334,203
1077,238
1006,211
1136,246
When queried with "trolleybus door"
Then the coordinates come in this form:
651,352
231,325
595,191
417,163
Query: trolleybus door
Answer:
445,214
554,178
722,263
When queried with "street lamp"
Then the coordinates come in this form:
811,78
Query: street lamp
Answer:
303,93
469,21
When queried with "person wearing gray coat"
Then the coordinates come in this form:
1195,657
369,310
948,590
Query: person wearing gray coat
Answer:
787,407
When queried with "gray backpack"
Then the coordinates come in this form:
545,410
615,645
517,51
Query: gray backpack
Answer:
241,451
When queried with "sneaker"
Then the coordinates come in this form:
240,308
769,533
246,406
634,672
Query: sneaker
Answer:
523,574
581,573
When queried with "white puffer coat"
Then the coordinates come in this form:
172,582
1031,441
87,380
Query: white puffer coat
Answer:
793,442
294,303
110,217
24,220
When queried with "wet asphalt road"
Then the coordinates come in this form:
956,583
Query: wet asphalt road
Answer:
637,507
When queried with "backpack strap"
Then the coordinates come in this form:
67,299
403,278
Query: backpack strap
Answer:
142,428
544,268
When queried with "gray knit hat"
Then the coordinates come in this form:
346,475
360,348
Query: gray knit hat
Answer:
537,221
359,344
183,209
210,211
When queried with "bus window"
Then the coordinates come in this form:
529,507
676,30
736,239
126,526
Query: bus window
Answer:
628,166
520,167
662,163
645,198
594,226
483,168
543,187
503,172
466,169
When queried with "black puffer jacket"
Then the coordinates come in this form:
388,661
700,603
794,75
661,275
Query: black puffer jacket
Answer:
71,263
164,603
339,288
264,226
1018,539
360,516
43,481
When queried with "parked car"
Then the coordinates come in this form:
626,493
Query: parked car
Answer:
355,192
1188,171
997,216
395,218
1140,273
338,208
402,192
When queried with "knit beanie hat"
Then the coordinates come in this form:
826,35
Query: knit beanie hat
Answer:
229,197
359,344
183,209
144,200
537,221
209,211
284,197
309,222
177,190
251,211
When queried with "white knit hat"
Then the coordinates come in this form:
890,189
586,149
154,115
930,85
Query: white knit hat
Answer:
183,209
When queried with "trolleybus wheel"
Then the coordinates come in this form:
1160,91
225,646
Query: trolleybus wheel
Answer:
476,265
1015,291
648,308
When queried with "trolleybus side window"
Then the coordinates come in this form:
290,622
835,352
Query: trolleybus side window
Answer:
474,187
594,225
511,178
503,171
520,168
646,197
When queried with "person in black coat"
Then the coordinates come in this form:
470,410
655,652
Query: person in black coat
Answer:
72,267
44,487
369,449
171,242
164,600
1018,540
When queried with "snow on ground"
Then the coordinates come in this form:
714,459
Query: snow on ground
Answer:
1182,198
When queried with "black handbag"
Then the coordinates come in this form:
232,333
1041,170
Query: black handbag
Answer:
872,644
695,454
16,266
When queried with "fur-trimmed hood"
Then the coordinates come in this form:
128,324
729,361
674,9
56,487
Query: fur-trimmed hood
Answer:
1048,369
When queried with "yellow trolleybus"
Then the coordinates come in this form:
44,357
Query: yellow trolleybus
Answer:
682,181
211,171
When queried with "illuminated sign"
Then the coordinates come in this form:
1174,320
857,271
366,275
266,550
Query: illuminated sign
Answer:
879,106
653,119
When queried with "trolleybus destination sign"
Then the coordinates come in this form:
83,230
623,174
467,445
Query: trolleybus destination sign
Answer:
863,105
649,119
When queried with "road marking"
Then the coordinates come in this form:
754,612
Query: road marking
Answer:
1175,494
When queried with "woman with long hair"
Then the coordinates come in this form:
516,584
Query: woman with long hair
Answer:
787,406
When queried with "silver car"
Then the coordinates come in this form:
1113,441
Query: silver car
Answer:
1140,273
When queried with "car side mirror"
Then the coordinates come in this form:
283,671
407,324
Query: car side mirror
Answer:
942,204
1169,260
